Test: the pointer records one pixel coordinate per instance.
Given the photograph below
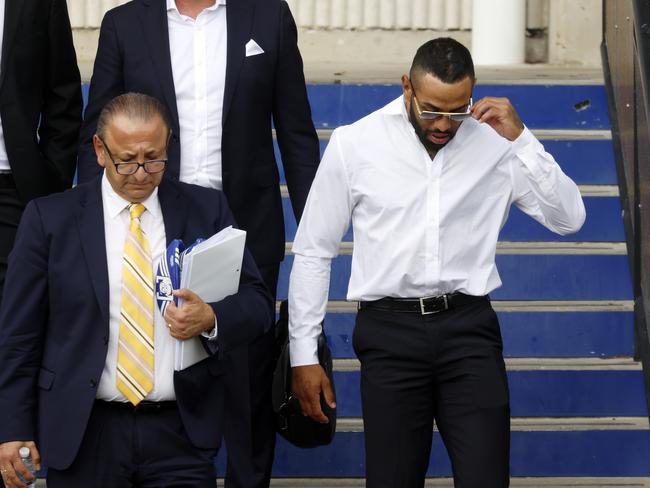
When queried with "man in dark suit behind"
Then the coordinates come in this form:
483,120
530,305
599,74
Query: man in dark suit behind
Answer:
86,359
225,71
40,108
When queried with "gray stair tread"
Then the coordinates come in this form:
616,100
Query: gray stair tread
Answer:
537,364
538,424
447,482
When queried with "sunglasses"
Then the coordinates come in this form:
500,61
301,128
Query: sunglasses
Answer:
429,115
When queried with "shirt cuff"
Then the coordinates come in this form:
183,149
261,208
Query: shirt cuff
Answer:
211,334
303,352
525,139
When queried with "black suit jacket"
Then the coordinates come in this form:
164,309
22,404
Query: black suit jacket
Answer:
133,56
40,96
54,320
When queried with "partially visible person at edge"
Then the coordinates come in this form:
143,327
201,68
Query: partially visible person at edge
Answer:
225,70
87,374
427,181
40,109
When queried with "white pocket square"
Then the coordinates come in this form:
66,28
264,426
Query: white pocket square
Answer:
253,48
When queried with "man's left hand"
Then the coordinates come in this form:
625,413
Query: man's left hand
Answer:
499,114
191,319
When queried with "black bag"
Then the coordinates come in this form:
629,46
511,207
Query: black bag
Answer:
298,429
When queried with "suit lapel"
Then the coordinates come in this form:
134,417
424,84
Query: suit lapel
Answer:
13,9
174,210
90,222
153,15
239,17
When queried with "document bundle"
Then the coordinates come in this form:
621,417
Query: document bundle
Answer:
210,268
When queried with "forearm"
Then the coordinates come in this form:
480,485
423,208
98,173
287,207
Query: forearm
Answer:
308,295
555,194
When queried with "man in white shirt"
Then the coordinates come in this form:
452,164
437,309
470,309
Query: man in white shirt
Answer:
427,182
86,358
228,72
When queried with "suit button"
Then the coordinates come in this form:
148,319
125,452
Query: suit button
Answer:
105,340
93,383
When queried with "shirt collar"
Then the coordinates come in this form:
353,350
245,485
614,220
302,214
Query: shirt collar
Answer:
115,204
171,5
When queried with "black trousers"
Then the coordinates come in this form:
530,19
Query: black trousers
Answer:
123,448
250,426
448,366
11,209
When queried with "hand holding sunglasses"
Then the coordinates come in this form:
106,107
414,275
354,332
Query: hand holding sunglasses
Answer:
499,114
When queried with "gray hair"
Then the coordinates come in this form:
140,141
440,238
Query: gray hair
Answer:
133,106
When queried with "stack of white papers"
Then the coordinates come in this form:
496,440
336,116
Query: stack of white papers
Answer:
211,269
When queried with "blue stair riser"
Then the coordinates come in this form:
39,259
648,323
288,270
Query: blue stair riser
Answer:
587,162
539,106
578,453
604,223
524,277
542,393
530,334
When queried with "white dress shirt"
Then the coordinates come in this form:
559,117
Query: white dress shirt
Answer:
116,228
198,49
4,159
421,227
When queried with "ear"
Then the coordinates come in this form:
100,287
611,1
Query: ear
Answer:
99,151
406,87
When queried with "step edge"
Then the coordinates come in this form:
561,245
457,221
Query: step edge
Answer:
349,365
560,306
539,424
590,248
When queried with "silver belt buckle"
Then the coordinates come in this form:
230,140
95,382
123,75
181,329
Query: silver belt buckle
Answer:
424,312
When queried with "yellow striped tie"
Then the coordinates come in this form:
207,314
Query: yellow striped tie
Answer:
135,349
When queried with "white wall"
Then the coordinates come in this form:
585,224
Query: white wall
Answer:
355,32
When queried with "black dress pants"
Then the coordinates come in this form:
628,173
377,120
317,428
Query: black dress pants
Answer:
250,425
448,366
11,209
144,448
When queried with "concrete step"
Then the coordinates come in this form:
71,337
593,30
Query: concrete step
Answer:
524,277
540,389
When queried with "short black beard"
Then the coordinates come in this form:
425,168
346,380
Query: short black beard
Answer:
431,147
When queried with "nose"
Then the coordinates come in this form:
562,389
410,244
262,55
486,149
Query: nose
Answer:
140,175
441,124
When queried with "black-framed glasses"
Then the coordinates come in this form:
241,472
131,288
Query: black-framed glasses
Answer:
131,167
430,115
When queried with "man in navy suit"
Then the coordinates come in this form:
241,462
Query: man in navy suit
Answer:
63,320
225,71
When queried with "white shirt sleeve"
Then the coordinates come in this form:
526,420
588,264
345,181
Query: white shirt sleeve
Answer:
542,190
324,222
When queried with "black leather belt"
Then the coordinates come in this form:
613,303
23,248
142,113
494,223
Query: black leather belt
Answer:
423,306
142,407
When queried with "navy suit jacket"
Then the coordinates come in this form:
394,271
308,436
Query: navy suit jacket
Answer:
133,56
55,312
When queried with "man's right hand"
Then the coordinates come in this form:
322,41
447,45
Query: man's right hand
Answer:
307,383
11,463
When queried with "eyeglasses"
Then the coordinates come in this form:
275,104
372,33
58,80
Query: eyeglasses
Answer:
131,167
429,115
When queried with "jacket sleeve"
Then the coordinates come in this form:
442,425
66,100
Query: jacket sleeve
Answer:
106,83
297,137
246,315
23,317
61,112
